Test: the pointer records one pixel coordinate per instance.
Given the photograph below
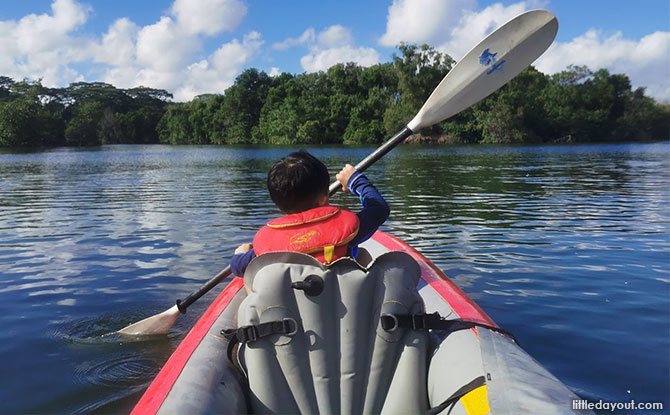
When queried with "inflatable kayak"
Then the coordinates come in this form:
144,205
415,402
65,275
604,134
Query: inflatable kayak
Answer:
388,333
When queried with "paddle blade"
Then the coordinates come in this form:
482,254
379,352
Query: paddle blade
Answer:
158,324
497,59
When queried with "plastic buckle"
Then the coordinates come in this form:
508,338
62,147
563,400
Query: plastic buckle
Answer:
418,321
228,333
247,334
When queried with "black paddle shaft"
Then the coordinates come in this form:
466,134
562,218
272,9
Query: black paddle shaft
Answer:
183,305
376,155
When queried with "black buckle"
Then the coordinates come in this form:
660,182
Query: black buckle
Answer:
281,327
247,334
418,322
425,321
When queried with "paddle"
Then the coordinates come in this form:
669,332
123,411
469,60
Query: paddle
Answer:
163,322
488,66
497,59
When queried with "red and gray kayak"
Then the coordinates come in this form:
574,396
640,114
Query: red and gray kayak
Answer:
388,333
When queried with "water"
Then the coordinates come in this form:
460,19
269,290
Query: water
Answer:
568,247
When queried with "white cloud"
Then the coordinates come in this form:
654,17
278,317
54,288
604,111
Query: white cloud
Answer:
333,45
168,53
423,21
208,16
451,26
274,71
335,36
646,62
118,44
475,26
308,36
211,75
218,72
160,55
321,60
163,46
40,46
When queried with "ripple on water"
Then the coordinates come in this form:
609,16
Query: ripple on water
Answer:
111,367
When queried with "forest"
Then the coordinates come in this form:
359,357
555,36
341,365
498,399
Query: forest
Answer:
347,104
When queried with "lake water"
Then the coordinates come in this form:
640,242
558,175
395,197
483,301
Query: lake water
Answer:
568,247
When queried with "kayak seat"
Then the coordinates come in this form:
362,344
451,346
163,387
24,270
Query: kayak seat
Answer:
335,358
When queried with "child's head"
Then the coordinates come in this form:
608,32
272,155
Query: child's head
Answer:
298,182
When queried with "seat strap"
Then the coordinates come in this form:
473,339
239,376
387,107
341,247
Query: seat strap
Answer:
464,390
251,333
434,321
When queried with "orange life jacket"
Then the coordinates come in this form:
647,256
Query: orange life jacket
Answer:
322,232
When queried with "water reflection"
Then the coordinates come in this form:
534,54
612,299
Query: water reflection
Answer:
555,243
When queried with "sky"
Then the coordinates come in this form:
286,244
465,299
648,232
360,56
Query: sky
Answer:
190,47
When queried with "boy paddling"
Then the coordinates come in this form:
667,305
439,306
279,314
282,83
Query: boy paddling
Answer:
298,185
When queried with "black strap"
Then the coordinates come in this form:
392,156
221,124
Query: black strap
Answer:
251,333
476,383
434,321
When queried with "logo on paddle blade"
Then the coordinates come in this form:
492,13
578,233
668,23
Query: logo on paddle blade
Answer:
489,59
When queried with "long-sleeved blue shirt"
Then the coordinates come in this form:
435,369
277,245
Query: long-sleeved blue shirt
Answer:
375,211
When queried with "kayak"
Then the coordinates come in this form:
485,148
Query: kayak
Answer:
388,333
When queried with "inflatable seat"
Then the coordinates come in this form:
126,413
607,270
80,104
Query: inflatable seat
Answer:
335,358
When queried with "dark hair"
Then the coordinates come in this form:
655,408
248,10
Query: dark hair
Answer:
297,181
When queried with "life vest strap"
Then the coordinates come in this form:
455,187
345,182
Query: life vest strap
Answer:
328,252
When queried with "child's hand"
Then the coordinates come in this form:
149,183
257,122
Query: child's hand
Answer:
243,248
344,175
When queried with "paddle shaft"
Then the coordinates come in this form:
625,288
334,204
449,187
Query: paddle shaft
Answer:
375,155
183,305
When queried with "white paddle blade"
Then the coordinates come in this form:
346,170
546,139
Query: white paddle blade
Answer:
497,59
158,324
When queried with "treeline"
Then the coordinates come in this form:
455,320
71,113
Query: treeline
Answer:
346,104
83,114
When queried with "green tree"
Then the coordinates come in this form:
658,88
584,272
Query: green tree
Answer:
515,113
419,70
175,126
241,106
83,128
25,123
643,119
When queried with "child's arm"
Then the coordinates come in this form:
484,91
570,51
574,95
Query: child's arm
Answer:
243,255
375,210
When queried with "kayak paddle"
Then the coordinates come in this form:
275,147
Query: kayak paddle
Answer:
163,322
483,70
497,59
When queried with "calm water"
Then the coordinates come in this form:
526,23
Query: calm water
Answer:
568,247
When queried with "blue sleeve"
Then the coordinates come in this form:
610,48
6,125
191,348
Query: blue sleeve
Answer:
239,262
375,210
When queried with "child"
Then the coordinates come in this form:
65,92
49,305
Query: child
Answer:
298,185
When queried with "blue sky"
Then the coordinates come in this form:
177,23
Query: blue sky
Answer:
195,46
